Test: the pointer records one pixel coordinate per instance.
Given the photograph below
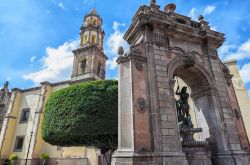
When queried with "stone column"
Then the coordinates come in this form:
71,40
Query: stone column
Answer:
134,136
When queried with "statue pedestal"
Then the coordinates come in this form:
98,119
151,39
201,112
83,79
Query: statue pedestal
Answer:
196,151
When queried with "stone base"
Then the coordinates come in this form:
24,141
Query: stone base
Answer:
235,158
130,158
50,161
197,155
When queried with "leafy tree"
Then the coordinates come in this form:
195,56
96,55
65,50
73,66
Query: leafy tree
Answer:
83,115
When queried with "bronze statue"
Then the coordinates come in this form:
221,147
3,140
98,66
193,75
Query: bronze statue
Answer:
183,107
183,101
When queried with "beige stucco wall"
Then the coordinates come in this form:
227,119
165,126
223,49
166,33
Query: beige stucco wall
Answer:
241,93
30,99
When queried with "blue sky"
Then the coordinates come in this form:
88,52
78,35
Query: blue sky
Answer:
37,37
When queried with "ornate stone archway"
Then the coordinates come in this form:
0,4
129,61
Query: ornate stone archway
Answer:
165,44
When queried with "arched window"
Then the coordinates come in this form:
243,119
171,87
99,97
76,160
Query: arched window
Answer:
85,39
83,65
99,67
94,22
88,22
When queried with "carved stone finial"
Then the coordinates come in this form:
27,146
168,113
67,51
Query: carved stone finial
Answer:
120,51
152,2
201,18
6,84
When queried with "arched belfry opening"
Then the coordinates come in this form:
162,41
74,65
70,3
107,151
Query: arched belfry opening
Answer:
154,125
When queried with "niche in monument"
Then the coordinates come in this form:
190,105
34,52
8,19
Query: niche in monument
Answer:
196,110
192,100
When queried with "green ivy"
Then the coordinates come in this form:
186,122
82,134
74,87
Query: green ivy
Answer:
83,115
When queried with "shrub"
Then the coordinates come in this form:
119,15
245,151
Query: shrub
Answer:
44,156
83,115
13,157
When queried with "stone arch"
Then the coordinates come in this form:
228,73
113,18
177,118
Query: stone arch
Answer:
177,64
204,96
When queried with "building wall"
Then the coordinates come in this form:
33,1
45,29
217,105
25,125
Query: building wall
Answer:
13,128
27,100
9,124
241,93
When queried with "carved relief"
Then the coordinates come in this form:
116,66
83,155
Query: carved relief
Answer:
169,52
139,66
135,50
188,59
141,104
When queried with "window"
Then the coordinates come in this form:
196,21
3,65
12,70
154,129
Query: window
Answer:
94,22
93,39
83,65
85,39
99,69
19,144
25,115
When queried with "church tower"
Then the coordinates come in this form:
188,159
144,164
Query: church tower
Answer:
89,58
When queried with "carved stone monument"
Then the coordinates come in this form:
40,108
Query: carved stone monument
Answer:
165,44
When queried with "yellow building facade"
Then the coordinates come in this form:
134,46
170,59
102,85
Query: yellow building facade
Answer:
21,125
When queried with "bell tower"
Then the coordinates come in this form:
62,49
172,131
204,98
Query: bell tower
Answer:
89,58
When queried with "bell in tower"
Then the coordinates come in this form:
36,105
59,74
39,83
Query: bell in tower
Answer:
89,58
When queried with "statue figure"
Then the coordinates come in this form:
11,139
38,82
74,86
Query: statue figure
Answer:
183,107
152,1
6,84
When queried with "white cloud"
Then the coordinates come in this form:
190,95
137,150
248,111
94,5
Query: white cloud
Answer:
194,13
32,59
214,28
224,50
243,52
112,63
62,6
116,39
245,73
113,42
208,10
56,64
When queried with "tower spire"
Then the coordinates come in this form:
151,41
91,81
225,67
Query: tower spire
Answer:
89,59
91,31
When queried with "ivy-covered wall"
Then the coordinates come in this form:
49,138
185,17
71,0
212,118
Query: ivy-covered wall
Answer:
83,115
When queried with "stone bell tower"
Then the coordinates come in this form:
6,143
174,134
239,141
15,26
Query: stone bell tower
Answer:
89,58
